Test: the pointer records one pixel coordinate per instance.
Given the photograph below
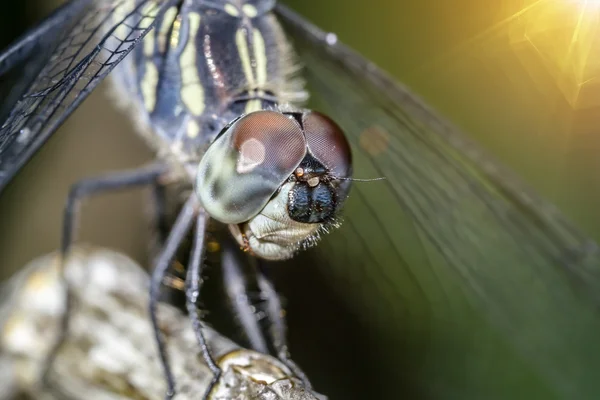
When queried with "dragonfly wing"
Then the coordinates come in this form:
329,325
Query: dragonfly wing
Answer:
474,283
52,69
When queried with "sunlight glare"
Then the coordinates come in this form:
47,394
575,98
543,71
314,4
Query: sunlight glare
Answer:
589,2
564,35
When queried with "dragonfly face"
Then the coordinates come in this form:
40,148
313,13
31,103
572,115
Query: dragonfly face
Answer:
223,76
277,179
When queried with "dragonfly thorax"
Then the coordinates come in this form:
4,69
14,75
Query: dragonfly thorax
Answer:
202,66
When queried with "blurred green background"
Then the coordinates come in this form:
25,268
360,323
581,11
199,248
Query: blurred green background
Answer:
459,55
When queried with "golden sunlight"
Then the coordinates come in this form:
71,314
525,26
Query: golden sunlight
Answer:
565,34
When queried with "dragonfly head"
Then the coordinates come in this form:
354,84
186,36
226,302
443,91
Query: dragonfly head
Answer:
277,179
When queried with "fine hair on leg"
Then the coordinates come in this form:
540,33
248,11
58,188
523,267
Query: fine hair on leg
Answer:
236,287
276,318
193,284
180,229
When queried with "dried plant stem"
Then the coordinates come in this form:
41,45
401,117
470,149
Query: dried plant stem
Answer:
109,352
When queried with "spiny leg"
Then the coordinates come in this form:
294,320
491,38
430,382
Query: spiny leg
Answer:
276,317
192,292
162,227
236,288
79,191
177,235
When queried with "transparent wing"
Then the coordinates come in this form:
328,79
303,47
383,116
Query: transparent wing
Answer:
476,287
50,70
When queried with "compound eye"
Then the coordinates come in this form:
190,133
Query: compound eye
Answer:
328,144
246,165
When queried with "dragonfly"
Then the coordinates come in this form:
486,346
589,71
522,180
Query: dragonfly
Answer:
227,124
448,245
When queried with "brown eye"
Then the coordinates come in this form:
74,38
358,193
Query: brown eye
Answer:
327,142
246,165
268,140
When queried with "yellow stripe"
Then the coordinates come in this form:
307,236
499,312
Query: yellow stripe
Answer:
149,84
253,105
231,10
260,60
165,25
192,92
242,45
193,129
260,56
149,44
249,10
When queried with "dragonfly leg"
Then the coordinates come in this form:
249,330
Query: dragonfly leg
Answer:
177,235
159,198
79,191
161,228
276,317
236,289
193,283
